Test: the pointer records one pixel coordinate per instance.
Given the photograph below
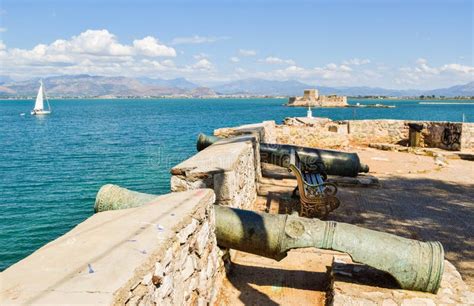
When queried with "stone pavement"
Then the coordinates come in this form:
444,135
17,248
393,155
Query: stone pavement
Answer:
301,278
416,198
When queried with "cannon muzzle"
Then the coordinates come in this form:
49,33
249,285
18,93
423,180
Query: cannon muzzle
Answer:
414,265
335,162
205,141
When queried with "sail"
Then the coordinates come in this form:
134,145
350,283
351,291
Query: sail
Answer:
39,99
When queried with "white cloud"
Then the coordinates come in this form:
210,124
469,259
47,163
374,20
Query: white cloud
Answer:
94,43
150,46
92,51
356,61
196,39
330,73
458,68
203,64
245,52
422,66
278,61
2,30
200,56
100,52
423,74
168,63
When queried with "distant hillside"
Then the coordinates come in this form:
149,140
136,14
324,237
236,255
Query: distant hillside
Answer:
262,87
295,88
97,86
458,90
177,83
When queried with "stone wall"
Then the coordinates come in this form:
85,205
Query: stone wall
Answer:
324,133
444,135
467,137
164,253
229,167
318,133
370,131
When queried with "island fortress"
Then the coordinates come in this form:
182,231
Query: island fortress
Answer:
311,97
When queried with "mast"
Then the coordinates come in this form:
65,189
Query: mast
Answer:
46,97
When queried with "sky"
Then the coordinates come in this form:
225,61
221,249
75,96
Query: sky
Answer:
391,44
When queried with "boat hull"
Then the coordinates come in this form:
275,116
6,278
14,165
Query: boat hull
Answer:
40,113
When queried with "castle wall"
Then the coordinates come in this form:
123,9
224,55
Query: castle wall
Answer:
312,98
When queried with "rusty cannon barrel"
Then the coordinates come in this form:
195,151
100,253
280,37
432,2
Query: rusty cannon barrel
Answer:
415,265
335,162
205,141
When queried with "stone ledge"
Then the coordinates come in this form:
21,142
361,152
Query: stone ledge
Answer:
356,284
103,259
265,131
220,157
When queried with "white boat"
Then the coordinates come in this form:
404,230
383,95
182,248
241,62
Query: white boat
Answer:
39,104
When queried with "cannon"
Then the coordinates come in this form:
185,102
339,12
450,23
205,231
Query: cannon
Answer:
205,141
415,265
335,162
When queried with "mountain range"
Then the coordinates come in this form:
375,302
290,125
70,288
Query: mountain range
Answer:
101,86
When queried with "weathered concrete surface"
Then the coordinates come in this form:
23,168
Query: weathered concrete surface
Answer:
124,256
265,131
299,279
230,167
355,284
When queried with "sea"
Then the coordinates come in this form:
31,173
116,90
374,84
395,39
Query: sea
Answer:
52,167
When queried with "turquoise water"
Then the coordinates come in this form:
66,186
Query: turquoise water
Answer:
51,168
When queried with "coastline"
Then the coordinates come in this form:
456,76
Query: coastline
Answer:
409,99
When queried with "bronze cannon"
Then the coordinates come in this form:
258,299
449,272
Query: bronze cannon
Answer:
335,162
415,265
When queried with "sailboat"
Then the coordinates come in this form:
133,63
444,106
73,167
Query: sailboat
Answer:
39,104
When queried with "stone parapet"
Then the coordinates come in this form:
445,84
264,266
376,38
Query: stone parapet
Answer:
369,131
164,252
325,133
228,167
321,132
265,131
